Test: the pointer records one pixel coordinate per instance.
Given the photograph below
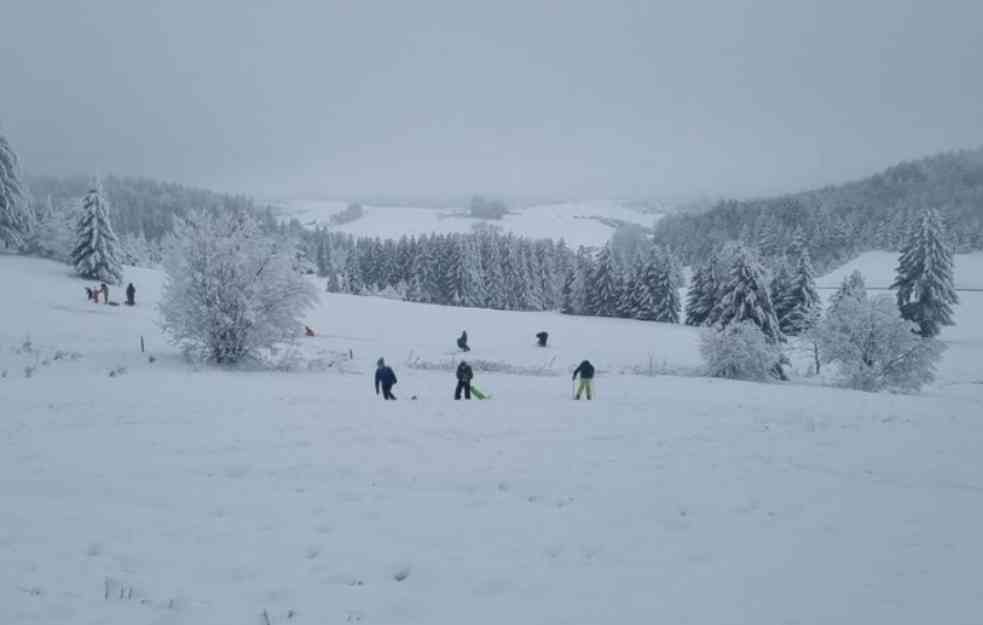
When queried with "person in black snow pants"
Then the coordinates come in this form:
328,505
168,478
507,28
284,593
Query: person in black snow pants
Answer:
464,375
386,378
586,371
462,341
131,294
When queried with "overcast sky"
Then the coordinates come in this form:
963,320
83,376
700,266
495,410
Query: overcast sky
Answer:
518,97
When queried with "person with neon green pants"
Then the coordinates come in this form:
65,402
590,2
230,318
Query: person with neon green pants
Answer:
586,371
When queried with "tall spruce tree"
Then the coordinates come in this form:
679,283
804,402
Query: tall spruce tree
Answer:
666,289
780,289
701,296
14,216
744,296
801,300
926,293
97,250
603,289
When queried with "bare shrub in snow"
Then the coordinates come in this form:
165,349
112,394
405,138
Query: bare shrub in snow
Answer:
874,348
231,290
740,351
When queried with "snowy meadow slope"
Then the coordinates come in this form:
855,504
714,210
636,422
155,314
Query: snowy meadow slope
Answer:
165,494
581,223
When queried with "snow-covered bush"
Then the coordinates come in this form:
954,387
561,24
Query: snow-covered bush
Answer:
231,290
740,351
875,349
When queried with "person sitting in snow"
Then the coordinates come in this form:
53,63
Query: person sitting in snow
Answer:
462,341
386,378
464,377
541,338
131,294
586,371
308,331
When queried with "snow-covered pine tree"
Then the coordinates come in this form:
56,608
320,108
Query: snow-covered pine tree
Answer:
353,273
514,272
770,236
648,280
534,299
568,304
801,298
629,291
15,220
97,255
780,289
744,296
702,294
852,286
665,290
470,283
495,295
926,293
602,289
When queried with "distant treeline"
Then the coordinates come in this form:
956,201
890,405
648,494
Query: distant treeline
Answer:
501,271
140,206
839,222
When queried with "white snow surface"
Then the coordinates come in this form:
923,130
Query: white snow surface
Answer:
168,494
579,223
878,269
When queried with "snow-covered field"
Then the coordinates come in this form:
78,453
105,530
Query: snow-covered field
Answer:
164,494
581,223
879,268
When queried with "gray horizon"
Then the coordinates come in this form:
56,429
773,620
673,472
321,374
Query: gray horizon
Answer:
639,99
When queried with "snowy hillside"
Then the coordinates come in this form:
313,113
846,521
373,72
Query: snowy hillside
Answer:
164,494
584,223
879,268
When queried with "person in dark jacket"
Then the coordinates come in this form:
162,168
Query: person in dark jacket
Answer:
541,339
131,294
104,289
464,376
586,372
386,378
462,341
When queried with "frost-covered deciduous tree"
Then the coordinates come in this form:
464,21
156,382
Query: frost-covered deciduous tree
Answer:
739,351
53,232
924,281
231,291
875,349
97,249
15,222
744,296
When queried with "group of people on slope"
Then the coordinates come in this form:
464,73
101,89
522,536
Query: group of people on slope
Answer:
385,380
93,294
